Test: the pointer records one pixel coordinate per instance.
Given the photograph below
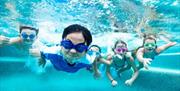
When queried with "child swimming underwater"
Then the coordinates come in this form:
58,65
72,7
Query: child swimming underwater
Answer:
24,44
69,55
121,61
95,53
149,50
25,41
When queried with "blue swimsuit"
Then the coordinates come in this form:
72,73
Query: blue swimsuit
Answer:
61,64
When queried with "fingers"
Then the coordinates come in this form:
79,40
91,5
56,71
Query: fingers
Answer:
148,62
149,59
4,40
43,65
41,62
146,67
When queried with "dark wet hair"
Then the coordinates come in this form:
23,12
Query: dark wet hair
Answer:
151,38
30,28
78,28
96,46
146,35
118,41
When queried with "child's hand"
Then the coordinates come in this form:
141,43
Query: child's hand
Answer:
114,83
128,82
146,62
4,40
42,62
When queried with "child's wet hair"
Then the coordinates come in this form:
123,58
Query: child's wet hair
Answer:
78,28
28,27
146,35
118,41
95,46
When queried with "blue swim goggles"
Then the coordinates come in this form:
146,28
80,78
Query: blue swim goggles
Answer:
67,44
25,36
90,52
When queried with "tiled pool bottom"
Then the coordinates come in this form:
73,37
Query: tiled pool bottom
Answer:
15,77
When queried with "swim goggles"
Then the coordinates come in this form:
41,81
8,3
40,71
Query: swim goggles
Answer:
90,52
149,45
25,36
67,44
121,50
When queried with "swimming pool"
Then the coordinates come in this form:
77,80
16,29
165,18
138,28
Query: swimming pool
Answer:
51,16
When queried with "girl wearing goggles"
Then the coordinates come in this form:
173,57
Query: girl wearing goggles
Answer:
121,60
149,50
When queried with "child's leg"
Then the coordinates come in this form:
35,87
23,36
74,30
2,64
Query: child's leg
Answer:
113,82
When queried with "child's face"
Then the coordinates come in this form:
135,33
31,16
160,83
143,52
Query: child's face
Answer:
149,45
75,38
120,48
95,49
28,36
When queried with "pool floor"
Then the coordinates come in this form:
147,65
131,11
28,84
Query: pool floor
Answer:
20,78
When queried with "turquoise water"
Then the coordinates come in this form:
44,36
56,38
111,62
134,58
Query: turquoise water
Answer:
52,16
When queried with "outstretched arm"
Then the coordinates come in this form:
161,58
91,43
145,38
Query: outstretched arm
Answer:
8,41
4,40
164,47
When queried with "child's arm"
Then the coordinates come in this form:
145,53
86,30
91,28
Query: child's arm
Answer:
104,61
113,82
132,79
36,53
8,41
96,71
3,40
145,61
135,74
14,40
140,54
164,47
